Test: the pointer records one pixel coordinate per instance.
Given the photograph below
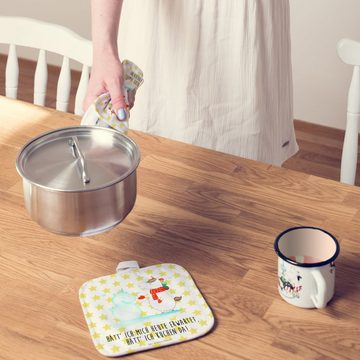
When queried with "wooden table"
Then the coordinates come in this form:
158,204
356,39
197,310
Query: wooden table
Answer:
216,215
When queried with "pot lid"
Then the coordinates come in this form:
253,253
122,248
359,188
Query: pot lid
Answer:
78,158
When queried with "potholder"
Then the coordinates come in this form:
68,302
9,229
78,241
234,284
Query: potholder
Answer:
138,309
101,111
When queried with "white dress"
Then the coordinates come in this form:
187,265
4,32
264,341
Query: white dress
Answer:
217,73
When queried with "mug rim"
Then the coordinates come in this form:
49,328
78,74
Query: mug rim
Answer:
296,263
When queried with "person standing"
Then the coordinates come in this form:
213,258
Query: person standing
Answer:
217,73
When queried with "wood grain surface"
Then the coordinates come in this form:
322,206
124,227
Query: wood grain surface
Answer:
215,214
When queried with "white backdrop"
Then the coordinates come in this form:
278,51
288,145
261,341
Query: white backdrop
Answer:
320,79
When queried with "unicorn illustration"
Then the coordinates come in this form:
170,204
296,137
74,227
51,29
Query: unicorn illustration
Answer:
124,306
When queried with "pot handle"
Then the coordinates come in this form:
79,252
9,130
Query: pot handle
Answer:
74,143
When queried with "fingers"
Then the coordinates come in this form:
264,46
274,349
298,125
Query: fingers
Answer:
117,99
120,102
89,99
92,93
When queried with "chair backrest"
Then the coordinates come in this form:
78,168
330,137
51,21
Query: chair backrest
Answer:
18,31
349,52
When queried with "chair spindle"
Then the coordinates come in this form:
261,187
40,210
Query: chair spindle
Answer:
63,86
40,80
12,73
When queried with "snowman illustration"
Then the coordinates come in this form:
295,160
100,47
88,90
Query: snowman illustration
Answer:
158,295
124,307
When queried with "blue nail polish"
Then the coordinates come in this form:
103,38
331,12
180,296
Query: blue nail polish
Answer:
121,114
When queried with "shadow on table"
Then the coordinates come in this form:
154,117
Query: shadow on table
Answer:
347,286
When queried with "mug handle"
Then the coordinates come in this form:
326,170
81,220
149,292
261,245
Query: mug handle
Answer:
319,298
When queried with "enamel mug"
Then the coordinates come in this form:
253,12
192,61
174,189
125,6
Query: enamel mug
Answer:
306,266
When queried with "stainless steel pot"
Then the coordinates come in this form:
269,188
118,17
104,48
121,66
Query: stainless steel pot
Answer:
79,180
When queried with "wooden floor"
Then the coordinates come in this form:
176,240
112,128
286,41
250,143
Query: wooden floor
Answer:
320,146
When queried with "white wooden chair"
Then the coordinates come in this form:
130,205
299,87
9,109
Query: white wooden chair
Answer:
349,53
17,31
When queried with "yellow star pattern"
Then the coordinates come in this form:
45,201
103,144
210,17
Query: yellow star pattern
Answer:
97,299
115,349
